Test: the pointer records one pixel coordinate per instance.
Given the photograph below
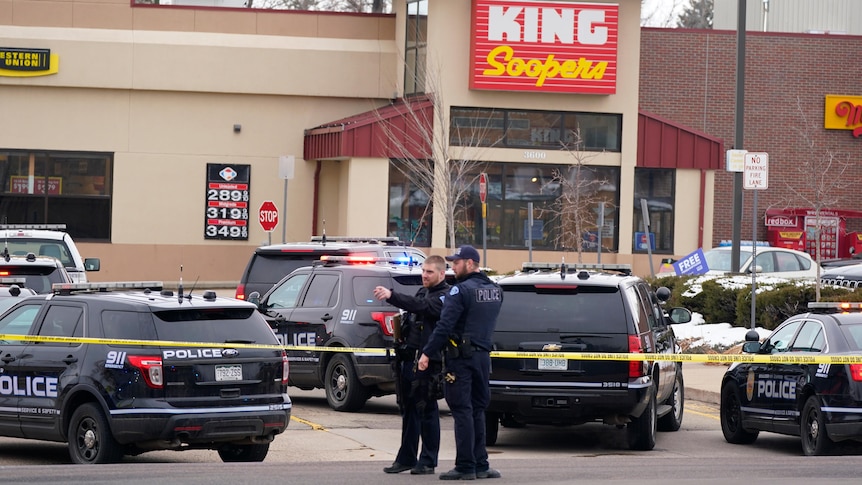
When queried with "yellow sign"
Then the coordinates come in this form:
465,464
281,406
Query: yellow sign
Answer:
23,62
843,113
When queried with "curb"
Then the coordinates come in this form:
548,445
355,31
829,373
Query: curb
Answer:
711,397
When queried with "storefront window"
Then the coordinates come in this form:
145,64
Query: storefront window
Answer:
415,47
550,130
72,188
656,186
409,208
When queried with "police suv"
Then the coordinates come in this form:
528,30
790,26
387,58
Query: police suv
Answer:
125,368
553,309
821,402
331,304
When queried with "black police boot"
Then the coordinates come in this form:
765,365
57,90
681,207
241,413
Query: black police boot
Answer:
454,474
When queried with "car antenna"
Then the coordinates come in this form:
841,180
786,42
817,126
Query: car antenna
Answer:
180,289
323,239
5,253
563,269
194,285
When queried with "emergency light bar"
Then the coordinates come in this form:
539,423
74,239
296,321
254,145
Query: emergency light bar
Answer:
355,239
12,281
621,268
834,306
68,288
367,260
50,227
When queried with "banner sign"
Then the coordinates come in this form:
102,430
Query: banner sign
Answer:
544,46
694,263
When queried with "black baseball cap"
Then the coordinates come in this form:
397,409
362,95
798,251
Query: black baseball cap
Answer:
464,252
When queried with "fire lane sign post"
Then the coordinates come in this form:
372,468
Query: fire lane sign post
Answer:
268,217
755,176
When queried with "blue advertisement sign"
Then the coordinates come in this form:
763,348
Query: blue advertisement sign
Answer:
692,264
536,233
641,241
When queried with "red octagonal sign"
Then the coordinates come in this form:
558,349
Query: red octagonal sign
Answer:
268,215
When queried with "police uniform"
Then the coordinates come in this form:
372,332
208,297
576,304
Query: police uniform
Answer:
468,318
419,411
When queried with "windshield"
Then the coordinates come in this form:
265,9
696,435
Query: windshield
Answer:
719,260
40,247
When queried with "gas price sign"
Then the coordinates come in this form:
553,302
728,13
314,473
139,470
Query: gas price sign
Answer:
227,196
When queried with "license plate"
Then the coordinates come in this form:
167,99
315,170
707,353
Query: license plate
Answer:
553,364
228,372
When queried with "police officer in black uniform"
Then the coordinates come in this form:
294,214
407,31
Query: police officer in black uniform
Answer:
420,415
465,330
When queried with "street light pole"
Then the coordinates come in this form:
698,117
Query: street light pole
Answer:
740,133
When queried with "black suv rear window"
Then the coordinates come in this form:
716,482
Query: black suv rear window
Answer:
214,325
363,287
573,308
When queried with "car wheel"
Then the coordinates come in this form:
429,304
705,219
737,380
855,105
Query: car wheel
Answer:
731,417
90,438
492,428
243,453
815,441
344,392
672,421
641,430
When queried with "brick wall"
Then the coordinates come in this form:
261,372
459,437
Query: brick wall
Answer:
689,76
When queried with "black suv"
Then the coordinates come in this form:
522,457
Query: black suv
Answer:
585,308
330,304
89,370
269,264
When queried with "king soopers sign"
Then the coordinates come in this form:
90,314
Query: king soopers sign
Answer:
544,46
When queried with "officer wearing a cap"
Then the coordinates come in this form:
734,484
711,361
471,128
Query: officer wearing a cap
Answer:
464,334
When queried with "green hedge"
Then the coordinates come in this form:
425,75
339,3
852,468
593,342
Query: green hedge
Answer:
718,304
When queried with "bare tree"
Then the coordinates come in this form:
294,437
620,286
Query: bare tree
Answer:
574,210
373,6
443,164
660,13
822,179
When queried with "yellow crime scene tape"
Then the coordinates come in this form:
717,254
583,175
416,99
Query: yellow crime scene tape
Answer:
715,358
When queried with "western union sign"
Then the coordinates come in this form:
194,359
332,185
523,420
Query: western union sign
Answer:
22,62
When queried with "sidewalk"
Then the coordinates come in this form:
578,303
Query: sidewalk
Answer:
703,381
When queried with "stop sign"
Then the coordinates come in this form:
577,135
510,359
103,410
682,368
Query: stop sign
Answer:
268,215
483,186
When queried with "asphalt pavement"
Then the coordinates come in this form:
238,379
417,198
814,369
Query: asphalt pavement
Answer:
703,381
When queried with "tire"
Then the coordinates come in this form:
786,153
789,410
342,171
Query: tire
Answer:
815,440
243,453
90,438
641,430
672,421
344,392
492,428
731,417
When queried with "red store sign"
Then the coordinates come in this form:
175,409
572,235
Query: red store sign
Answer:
544,46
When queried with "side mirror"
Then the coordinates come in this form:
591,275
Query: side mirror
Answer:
751,347
92,264
756,269
680,315
254,298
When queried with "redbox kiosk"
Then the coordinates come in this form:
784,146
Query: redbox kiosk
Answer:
796,229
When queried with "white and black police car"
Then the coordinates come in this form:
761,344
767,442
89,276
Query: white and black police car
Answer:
125,368
819,402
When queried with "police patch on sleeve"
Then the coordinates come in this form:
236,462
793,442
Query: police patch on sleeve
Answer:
453,291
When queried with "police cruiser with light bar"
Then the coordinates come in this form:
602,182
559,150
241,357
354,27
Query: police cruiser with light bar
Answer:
820,403
555,308
331,304
106,368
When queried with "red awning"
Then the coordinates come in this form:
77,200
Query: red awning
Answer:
398,130
663,144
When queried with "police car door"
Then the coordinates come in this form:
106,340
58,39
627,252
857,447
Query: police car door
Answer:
793,376
50,369
311,324
772,392
18,321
